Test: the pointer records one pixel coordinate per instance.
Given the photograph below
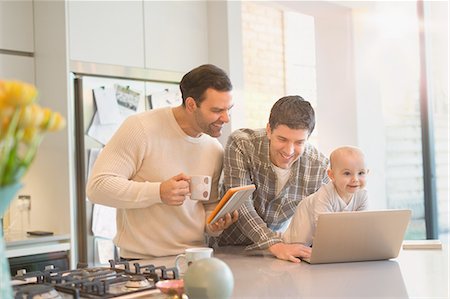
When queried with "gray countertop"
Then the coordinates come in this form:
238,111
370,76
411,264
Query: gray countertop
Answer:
415,273
24,239
21,244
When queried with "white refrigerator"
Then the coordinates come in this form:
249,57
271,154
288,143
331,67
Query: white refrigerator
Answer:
101,103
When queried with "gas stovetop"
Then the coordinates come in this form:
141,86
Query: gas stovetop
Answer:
120,280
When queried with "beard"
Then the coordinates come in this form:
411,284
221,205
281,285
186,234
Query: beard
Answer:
213,129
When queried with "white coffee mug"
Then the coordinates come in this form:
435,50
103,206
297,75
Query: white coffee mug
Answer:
190,255
200,187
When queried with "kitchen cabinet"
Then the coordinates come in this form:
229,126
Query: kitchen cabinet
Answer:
47,179
108,32
159,35
14,67
16,26
176,34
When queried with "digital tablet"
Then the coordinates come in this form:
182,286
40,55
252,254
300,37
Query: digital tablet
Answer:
231,201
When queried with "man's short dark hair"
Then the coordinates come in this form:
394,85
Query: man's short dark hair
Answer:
198,80
294,112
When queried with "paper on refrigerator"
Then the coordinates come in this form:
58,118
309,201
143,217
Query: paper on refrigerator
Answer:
114,105
105,251
104,221
164,98
101,133
107,106
127,100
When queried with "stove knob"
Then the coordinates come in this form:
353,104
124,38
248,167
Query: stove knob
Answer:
49,267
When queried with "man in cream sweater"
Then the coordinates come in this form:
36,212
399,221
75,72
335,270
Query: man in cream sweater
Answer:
145,168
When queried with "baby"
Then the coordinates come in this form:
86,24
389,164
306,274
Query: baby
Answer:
345,192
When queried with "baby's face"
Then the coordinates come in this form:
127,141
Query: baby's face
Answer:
348,174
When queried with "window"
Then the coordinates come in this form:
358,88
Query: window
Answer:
264,76
280,58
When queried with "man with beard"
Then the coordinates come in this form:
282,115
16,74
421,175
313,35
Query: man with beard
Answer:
145,168
284,167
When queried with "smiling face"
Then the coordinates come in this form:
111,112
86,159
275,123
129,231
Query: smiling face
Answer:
213,112
348,171
286,144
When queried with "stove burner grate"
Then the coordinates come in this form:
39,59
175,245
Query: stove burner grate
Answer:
115,281
37,291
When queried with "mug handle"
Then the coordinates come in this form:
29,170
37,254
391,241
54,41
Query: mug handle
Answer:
179,258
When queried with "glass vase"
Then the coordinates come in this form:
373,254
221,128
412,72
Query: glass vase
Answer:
7,194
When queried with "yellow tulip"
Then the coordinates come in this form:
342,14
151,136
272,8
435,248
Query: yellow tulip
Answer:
29,134
55,122
30,115
22,125
6,112
16,93
4,124
5,119
47,114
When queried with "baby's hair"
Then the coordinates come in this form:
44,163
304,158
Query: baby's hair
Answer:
349,149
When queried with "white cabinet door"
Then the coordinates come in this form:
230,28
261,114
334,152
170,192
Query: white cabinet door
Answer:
17,68
176,34
16,25
109,32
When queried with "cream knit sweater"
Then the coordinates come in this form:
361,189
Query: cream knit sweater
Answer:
146,150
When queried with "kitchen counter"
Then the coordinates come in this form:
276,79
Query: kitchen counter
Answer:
23,245
418,273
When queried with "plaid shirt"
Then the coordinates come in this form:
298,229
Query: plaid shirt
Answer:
247,161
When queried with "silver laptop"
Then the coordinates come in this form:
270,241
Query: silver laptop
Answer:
359,236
